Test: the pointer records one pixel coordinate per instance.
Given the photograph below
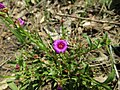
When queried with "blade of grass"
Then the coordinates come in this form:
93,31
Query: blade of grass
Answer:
14,31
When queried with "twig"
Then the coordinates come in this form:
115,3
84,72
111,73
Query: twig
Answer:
100,21
5,61
31,9
97,65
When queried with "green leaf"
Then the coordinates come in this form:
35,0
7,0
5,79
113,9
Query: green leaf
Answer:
8,21
110,77
1,76
45,73
12,85
41,46
2,14
89,42
85,68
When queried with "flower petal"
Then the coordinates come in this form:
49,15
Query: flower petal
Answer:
62,43
21,22
2,6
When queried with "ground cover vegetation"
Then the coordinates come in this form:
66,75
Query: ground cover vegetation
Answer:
60,45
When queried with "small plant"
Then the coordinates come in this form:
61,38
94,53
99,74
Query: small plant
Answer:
60,66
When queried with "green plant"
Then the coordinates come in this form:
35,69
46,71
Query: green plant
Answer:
65,69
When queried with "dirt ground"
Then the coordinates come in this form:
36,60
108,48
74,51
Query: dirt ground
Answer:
9,45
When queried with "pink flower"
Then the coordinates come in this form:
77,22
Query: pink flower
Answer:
60,46
21,22
17,67
2,6
59,88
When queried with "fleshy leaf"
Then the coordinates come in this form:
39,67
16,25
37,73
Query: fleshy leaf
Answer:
12,85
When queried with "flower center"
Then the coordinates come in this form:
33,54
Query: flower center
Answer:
61,45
